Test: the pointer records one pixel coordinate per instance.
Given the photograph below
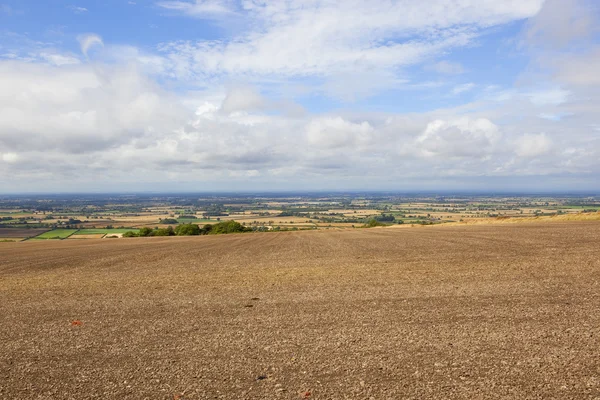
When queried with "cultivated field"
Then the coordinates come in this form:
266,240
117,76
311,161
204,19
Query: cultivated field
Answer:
445,312
6,233
56,234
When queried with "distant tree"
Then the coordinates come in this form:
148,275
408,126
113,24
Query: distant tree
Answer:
187,230
373,223
385,218
206,229
228,227
163,232
145,231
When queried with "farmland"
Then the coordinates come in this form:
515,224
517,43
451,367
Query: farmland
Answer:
462,312
96,216
56,234
102,232
20,233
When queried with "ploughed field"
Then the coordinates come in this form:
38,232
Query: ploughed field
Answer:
462,312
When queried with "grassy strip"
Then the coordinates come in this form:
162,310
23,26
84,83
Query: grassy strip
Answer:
104,231
56,234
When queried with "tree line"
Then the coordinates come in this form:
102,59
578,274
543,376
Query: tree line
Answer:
220,228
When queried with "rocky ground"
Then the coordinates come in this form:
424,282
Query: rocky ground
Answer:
475,312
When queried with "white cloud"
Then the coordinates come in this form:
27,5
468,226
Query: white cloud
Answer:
110,121
333,133
207,9
446,68
243,98
579,70
328,39
463,137
560,23
88,40
59,59
78,10
549,97
86,124
465,87
76,108
10,158
533,145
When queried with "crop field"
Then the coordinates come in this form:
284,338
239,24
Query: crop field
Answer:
456,312
90,236
196,221
103,231
20,233
56,234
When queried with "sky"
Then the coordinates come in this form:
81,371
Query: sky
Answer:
283,95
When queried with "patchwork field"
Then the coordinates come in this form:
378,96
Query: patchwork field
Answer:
89,236
6,233
103,231
444,312
56,234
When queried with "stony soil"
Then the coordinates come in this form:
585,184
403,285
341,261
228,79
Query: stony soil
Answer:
473,312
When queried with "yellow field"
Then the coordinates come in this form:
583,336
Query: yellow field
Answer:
553,218
93,236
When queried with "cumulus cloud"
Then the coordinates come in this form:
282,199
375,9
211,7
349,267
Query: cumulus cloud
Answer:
530,145
243,98
108,125
464,137
78,109
336,132
226,111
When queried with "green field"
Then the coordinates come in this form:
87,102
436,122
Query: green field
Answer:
104,231
196,221
56,234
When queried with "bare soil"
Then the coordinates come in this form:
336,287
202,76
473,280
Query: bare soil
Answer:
21,232
463,312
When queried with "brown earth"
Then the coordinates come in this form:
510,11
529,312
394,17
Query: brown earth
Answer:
21,232
462,312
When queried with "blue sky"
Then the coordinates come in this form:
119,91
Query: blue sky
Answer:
286,95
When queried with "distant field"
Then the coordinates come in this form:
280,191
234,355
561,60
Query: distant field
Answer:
56,234
20,232
196,221
95,231
78,237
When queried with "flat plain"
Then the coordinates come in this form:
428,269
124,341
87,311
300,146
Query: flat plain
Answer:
449,312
